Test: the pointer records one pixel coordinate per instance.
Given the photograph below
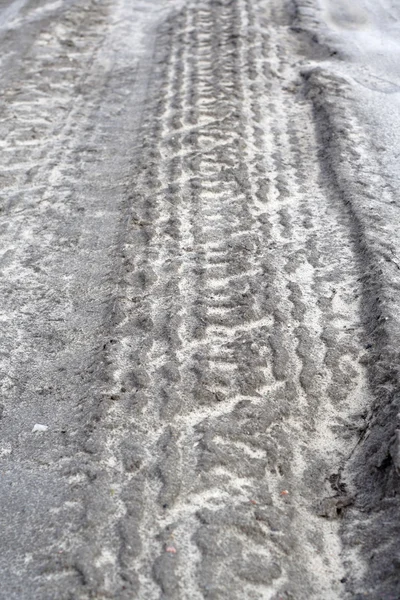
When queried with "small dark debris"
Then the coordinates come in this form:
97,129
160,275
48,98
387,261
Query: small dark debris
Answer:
332,508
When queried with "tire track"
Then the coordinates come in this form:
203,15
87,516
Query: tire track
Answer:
63,224
263,306
43,230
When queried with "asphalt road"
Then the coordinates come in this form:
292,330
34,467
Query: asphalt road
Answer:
199,281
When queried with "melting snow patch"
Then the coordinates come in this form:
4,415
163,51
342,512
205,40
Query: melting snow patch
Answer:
39,427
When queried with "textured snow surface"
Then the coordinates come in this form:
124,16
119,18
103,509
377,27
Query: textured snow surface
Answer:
199,298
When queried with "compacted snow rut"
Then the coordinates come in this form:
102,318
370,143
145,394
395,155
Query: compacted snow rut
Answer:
179,202
247,297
